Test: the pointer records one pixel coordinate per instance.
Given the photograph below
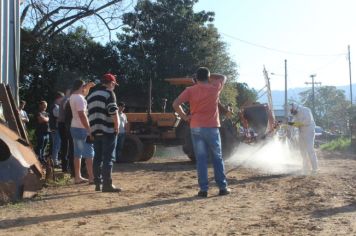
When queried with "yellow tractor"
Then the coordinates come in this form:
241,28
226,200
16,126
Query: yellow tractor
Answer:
147,129
168,129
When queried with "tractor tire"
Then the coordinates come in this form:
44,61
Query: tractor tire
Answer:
188,145
229,142
149,150
132,150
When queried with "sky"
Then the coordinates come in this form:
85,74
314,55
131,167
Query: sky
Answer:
312,35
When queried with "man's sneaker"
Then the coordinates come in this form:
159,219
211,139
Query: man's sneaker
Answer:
202,194
224,191
110,189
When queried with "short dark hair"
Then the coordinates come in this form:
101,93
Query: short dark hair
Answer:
202,74
22,102
77,84
121,104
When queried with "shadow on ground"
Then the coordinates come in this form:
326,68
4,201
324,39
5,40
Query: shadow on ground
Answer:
334,211
151,166
25,221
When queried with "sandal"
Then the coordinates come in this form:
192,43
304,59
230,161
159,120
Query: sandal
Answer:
81,181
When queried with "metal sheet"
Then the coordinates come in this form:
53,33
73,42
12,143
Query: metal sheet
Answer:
19,151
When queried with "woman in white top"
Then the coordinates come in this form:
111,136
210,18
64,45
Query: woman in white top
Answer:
80,131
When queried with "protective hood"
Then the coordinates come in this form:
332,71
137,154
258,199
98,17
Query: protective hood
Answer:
293,108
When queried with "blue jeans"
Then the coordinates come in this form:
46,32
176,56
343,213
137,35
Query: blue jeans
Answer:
207,142
82,149
56,145
42,140
120,144
104,146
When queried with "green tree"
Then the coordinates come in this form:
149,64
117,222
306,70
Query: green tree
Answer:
52,66
245,94
331,107
165,39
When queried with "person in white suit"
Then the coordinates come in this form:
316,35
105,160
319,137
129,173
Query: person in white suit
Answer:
303,119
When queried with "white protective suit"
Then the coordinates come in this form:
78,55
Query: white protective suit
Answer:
306,127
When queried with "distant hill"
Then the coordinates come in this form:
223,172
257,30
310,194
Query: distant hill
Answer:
293,93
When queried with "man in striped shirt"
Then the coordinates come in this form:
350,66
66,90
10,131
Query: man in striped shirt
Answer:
104,124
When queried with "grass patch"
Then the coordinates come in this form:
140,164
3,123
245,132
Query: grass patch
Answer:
63,180
31,135
341,144
15,205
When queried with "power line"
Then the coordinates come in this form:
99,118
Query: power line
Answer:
282,51
261,46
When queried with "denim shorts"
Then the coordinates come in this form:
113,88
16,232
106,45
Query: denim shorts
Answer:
82,149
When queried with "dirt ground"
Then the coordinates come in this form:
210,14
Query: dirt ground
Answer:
159,198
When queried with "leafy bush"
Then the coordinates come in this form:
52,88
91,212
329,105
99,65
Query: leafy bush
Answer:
341,144
31,136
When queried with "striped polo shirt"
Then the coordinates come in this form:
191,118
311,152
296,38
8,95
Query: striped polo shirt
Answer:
101,107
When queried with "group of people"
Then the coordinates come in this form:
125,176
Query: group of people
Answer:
97,129
84,123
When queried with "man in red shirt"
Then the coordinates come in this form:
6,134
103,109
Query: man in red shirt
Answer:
203,98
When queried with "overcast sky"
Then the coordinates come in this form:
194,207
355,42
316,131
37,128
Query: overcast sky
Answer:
312,35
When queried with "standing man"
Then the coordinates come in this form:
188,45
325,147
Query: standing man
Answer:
53,125
63,132
303,119
123,128
104,123
203,98
42,131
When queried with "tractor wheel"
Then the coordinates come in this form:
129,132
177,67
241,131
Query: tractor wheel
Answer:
149,150
132,150
188,145
228,142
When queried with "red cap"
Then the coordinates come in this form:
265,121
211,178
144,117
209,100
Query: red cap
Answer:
109,77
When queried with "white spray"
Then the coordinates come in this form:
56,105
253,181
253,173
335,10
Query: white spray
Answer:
271,156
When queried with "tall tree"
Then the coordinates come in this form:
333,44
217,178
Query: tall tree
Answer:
48,18
55,64
331,107
245,94
166,38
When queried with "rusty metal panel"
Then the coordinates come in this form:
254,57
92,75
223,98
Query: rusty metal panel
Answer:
12,146
17,160
20,127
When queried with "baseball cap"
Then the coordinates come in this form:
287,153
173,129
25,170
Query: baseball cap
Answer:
109,77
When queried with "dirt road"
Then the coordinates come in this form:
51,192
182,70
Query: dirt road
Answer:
159,199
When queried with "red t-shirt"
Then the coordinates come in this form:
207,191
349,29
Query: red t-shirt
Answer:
203,100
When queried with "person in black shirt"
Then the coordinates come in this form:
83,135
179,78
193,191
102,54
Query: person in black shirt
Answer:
53,124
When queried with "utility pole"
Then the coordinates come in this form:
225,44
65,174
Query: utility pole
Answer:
285,92
313,90
349,59
351,118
